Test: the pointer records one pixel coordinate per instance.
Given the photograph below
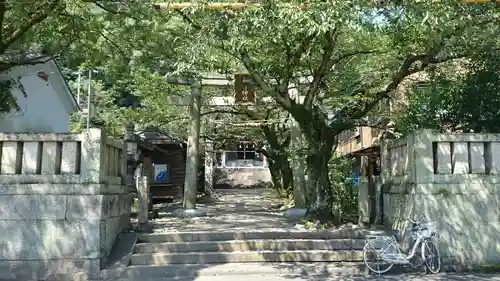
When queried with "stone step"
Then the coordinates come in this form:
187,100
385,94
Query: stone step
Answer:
310,269
245,256
250,245
251,235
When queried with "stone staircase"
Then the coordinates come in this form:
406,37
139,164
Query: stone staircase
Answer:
185,254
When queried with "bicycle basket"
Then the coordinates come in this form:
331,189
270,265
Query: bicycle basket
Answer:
428,229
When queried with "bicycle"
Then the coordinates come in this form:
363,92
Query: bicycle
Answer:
423,234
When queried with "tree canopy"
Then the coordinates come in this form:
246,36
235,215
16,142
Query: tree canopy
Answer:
467,103
354,54
346,56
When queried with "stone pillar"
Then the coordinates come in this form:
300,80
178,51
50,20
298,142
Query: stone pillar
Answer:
143,201
92,143
422,157
209,167
130,155
378,202
148,171
192,154
385,174
364,197
363,203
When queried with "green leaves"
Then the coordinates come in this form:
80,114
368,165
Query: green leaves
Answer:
457,102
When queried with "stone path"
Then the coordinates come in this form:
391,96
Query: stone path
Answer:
230,210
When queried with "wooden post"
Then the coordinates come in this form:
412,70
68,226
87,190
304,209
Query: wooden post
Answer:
193,150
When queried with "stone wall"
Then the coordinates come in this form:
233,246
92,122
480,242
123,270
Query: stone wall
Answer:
241,177
451,179
62,202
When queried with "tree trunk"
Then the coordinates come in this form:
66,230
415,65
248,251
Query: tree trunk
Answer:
276,177
279,166
320,139
320,193
281,174
287,177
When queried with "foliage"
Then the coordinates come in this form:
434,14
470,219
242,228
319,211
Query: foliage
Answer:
76,122
81,34
468,103
7,100
345,202
346,193
355,53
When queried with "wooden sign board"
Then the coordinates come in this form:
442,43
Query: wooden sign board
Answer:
244,91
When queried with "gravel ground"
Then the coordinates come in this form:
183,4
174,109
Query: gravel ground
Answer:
229,210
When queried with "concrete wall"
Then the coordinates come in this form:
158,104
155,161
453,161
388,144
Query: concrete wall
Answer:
62,202
241,177
237,173
451,179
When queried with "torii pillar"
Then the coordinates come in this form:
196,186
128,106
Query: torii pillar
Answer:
192,157
298,164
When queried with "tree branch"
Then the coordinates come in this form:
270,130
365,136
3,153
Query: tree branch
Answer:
407,68
348,116
12,62
114,44
294,57
37,18
188,20
324,66
334,62
287,140
113,11
280,95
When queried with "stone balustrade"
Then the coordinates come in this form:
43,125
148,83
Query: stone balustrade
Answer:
451,179
76,155
62,202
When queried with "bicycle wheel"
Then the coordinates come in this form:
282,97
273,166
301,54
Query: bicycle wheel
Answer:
431,257
372,252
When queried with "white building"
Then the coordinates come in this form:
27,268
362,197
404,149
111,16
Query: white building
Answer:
44,99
